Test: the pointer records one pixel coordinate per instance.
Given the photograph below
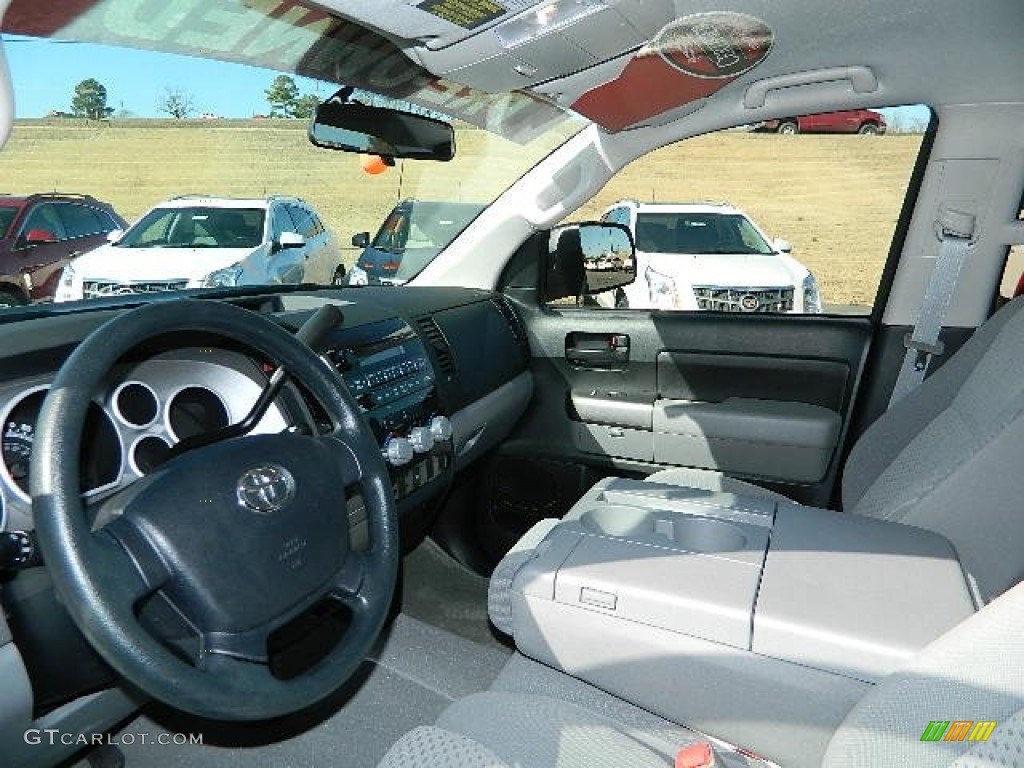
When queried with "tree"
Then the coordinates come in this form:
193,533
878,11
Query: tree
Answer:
90,100
282,96
305,106
177,103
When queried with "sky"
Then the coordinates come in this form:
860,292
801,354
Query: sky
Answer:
45,74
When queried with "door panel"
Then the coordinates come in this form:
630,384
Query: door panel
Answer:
765,397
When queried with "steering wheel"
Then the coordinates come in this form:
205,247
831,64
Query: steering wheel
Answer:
246,541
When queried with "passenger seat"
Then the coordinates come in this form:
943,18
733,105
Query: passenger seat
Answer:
948,458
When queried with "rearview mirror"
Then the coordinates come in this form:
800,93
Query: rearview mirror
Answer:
782,246
587,259
361,239
354,127
114,235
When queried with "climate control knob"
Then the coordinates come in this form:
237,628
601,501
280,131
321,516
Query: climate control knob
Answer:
441,429
421,438
398,451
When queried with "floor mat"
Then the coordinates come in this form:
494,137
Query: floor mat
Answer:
414,673
440,591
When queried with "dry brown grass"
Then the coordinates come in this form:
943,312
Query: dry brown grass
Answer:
835,198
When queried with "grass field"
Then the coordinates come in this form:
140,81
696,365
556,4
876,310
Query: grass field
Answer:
835,198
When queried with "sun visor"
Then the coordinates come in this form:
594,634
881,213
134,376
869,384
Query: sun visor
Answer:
689,60
548,41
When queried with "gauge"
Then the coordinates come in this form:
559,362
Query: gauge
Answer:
17,451
18,435
100,461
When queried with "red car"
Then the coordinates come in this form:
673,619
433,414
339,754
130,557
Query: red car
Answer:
862,121
40,234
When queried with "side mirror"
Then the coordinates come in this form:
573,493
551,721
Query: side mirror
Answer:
782,246
114,235
290,240
361,239
39,237
354,127
588,258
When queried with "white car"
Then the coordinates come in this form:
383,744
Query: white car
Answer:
207,242
708,256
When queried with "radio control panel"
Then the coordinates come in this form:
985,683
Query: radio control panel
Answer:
386,369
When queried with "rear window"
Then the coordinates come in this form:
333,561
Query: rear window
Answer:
7,215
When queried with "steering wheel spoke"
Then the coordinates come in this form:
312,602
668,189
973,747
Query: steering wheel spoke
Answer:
130,573
348,462
347,584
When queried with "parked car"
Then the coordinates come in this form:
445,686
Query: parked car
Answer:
866,122
708,256
208,242
409,239
40,234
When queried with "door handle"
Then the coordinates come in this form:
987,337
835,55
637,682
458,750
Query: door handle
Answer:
597,350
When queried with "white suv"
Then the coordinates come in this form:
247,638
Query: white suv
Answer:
708,256
208,242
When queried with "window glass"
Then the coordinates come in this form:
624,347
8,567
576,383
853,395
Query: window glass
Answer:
393,233
44,217
282,222
303,221
7,215
617,216
762,221
80,221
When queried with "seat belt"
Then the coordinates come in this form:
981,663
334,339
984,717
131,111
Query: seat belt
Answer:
955,229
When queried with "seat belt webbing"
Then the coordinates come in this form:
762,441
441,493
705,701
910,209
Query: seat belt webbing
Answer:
955,230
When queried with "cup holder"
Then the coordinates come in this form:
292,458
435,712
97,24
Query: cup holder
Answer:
702,534
619,520
688,532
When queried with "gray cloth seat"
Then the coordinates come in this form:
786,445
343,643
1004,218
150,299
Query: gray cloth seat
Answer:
974,672
947,458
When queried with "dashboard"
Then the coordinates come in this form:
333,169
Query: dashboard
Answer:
440,375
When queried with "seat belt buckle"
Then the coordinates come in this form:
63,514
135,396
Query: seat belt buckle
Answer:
924,350
699,755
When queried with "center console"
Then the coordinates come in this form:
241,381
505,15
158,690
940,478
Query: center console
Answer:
728,612
386,368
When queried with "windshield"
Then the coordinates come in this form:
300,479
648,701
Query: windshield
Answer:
196,228
7,215
698,233
138,130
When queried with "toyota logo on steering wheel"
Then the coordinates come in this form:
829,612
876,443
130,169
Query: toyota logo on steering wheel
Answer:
265,489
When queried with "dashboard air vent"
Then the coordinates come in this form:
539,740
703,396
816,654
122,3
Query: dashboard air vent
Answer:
504,306
435,339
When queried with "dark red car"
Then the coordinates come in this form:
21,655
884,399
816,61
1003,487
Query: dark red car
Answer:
40,234
863,121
